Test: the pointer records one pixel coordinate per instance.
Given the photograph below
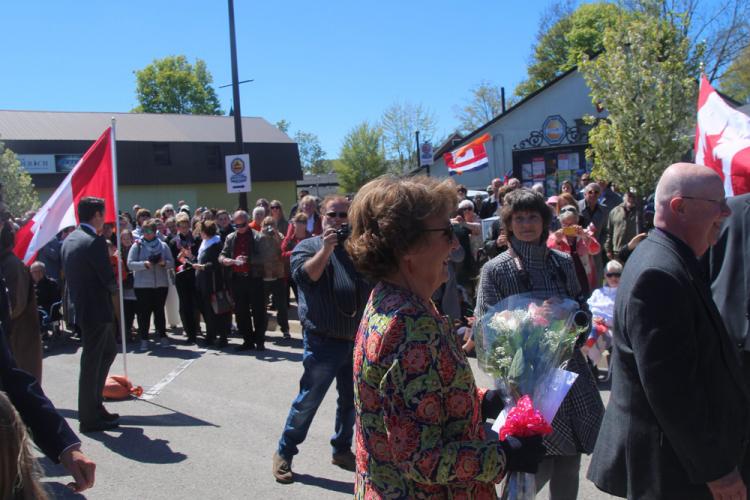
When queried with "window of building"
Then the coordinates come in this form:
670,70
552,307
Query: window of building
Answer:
213,157
161,153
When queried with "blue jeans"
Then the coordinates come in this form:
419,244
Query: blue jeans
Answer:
324,360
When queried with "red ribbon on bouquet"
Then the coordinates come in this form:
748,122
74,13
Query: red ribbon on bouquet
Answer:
525,421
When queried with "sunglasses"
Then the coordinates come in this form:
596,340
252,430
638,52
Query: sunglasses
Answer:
614,275
275,207
447,231
340,215
148,231
241,225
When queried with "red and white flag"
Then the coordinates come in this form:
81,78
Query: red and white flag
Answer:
722,140
92,176
471,156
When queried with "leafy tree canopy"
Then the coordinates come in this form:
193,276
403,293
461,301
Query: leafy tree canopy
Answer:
485,104
173,85
398,126
19,194
736,81
362,157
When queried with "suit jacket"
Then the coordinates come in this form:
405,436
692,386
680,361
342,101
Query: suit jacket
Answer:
729,271
89,276
49,430
679,411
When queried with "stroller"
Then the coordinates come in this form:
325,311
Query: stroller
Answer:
50,321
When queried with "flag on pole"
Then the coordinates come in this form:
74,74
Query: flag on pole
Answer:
722,140
92,176
471,156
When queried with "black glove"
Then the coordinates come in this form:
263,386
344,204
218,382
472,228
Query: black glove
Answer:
492,404
523,454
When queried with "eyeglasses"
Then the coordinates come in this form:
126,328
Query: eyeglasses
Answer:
447,231
340,215
722,203
613,275
241,225
148,231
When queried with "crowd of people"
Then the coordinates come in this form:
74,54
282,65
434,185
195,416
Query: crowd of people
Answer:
388,288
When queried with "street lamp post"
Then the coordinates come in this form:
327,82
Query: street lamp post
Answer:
236,95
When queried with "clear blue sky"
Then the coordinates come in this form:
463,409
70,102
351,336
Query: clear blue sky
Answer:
323,66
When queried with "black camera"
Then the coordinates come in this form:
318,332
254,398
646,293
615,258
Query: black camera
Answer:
343,233
154,258
269,229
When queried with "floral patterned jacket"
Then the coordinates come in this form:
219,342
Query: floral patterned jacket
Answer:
418,426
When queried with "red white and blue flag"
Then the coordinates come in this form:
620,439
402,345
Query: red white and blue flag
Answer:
92,176
722,140
471,156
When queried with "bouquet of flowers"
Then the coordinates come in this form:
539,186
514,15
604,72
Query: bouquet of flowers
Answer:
521,342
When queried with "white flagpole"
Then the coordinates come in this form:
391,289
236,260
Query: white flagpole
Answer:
120,257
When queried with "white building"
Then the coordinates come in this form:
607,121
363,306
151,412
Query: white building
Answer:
540,139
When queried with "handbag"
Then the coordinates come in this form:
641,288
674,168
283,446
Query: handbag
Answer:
221,300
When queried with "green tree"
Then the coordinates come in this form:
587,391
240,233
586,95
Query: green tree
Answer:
362,157
398,124
485,104
311,153
283,125
18,191
646,80
736,81
173,85
564,38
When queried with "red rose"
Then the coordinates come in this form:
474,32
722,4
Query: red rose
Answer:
361,450
392,338
427,464
459,404
447,367
369,398
416,358
403,437
378,447
428,410
467,465
358,348
373,346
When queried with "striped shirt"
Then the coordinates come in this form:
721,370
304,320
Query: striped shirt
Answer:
333,305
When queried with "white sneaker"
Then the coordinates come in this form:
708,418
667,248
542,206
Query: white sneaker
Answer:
144,345
164,341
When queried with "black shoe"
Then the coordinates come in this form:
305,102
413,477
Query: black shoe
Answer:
107,416
190,341
208,342
222,343
245,347
260,347
97,426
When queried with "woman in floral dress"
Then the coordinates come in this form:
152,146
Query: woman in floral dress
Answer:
419,414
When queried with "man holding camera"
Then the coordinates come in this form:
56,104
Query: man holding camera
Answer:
332,298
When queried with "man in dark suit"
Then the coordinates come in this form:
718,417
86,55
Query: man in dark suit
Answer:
50,431
678,419
91,282
729,272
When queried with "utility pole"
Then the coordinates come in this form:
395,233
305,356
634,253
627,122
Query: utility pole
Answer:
236,95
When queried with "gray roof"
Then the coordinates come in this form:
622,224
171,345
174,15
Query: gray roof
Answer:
76,126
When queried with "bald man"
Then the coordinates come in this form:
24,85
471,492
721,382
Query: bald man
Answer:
678,419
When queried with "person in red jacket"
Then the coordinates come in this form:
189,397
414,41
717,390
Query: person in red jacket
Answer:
297,232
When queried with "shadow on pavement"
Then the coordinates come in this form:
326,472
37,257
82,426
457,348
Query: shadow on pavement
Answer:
134,444
59,490
273,356
174,352
174,419
325,483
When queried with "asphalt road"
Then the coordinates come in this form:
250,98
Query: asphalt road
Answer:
210,432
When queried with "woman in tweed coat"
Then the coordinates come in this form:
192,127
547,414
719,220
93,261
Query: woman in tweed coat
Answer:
528,266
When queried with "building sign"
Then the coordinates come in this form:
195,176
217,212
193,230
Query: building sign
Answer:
425,154
554,129
48,164
37,164
238,173
65,163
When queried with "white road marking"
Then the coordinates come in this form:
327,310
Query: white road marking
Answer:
155,389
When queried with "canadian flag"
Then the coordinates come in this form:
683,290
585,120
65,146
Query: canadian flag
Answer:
92,176
722,140
472,156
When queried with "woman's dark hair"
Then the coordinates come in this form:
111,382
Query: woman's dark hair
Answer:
208,227
7,236
88,207
525,200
